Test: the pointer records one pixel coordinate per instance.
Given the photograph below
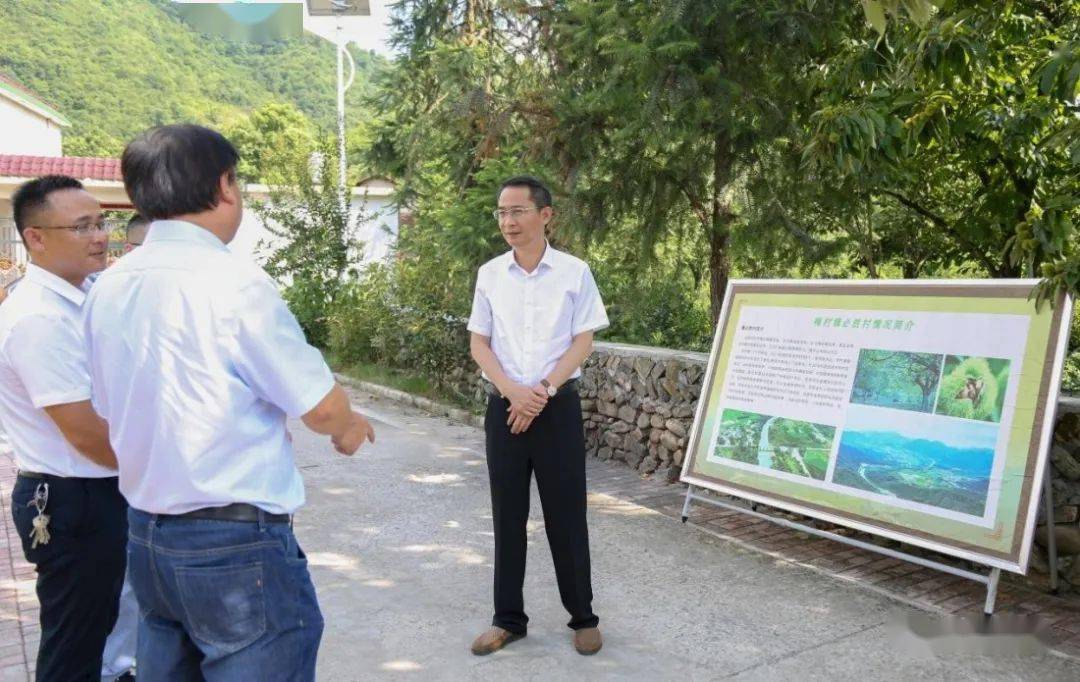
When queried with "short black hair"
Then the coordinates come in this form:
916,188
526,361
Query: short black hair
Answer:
174,170
33,195
538,191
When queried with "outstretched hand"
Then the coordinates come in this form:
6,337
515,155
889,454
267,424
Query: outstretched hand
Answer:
355,434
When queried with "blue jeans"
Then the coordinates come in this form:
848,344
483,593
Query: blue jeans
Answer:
221,600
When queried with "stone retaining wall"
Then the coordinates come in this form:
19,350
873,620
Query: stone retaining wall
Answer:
638,404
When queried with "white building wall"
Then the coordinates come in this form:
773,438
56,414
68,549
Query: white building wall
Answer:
25,132
377,232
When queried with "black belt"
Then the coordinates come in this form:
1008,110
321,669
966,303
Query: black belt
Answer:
46,477
569,387
237,511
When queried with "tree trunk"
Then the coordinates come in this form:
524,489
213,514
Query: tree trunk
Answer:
719,269
720,230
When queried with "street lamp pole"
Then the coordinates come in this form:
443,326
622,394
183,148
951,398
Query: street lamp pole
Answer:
340,7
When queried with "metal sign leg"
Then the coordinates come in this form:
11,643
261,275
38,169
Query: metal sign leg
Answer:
991,591
686,504
1051,536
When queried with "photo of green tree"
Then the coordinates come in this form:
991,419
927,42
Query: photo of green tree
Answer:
897,379
776,443
973,388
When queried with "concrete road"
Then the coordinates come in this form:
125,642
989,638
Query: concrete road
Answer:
400,544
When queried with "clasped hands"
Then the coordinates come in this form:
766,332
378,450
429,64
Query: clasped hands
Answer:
525,404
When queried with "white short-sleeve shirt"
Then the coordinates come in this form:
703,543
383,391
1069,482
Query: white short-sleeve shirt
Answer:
196,362
532,317
42,364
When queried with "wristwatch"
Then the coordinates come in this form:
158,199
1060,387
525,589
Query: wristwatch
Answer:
551,390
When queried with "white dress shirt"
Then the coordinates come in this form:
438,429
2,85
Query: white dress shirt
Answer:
43,363
532,317
196,362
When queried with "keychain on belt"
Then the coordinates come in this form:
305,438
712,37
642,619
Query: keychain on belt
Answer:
40,532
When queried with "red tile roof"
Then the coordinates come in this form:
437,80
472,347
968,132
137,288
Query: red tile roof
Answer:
79,167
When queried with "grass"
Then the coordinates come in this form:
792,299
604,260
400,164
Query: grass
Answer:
400,380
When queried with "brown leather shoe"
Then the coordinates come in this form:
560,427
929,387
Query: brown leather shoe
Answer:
493,640
587,641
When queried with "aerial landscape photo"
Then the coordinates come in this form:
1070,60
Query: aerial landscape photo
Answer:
789,445
942,463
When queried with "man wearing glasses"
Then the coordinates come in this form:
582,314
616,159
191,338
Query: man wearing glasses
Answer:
532,323
66,504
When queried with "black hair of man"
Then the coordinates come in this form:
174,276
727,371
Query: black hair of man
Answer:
538,191
174,170
33,195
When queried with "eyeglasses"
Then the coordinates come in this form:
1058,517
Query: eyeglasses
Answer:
83,229
514,213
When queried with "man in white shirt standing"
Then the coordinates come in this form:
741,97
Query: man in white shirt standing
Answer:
196,363
69,513
532,323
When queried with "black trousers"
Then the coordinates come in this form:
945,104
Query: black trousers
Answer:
553,448
79,572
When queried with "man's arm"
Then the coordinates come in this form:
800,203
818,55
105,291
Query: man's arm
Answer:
85,430
333,416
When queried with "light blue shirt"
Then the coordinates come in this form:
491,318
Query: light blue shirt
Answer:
195,363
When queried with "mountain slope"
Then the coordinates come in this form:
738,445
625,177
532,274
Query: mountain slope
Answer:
115,67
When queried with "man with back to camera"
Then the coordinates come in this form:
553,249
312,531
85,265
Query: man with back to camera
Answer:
214,363
534,313
67,509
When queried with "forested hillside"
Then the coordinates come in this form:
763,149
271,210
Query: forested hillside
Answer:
115,67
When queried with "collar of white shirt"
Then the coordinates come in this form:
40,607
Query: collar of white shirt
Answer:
55,283
546,261
182,231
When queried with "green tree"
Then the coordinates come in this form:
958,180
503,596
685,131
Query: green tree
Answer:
665,107
316,250
273,140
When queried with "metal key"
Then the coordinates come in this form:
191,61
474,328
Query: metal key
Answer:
40,532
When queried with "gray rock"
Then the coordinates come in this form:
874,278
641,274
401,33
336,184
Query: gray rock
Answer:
1067,465
1067,536
664,410
607,409
671,371
676,427
683,411
669,441
663,453
643,367
1066,513
627,414
648,405
588,405
657,421
613,440
677,458
649,464
657,371
604,453
643,421
619,427
654,435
